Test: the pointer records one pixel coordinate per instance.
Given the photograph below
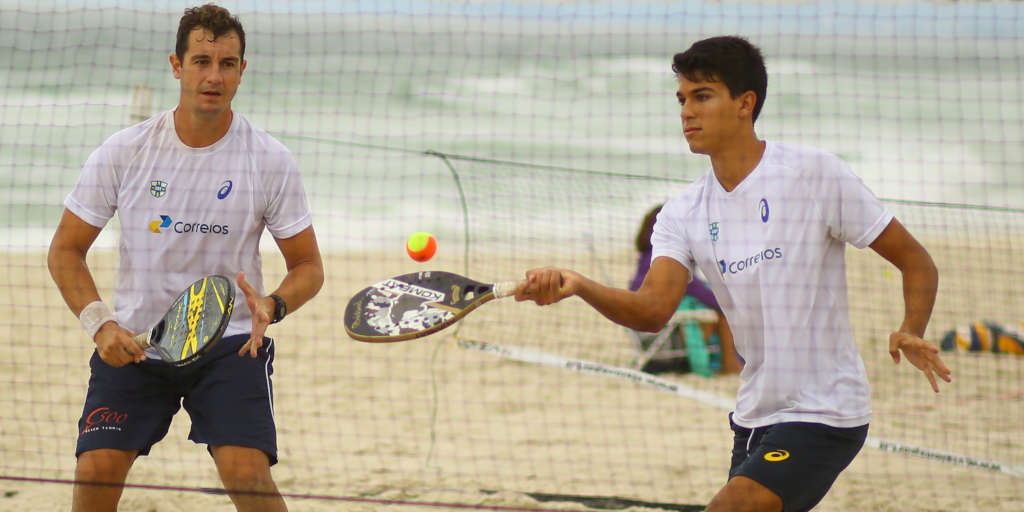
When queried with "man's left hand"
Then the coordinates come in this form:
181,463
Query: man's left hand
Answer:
262,309
923,355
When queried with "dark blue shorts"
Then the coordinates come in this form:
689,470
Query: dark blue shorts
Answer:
229,398
798,461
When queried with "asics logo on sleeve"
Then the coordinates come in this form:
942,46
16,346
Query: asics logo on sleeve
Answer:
776,456
182,227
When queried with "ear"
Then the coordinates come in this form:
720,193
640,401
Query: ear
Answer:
241,70
175,66
748,101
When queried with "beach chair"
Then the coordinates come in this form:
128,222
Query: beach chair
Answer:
680,340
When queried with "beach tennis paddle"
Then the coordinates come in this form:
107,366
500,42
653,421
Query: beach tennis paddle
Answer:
194,323
415,305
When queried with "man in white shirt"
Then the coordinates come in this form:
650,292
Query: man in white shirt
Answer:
194,188
767,226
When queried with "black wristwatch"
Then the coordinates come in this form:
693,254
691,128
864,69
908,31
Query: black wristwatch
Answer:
280,309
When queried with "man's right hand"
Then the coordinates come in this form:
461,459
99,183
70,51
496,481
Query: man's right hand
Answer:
117,346
548,285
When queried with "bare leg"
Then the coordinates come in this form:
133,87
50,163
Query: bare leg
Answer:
99,479
246,476
742,494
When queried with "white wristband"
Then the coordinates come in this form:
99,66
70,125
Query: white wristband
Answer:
94,315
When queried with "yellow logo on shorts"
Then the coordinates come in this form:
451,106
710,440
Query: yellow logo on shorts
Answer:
776,456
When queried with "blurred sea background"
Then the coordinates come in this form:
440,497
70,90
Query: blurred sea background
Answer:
923,99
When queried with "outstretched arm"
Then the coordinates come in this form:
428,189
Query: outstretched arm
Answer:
920,284
304,278
647,309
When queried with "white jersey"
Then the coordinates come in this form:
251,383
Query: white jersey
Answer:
773,250
188,212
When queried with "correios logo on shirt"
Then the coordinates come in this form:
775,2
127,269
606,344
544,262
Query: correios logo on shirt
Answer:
157,225
187,227
737,266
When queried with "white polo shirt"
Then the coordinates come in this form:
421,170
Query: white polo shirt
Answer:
188,212
773,250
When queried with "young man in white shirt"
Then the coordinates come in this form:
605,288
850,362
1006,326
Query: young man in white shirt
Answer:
768,226
194,188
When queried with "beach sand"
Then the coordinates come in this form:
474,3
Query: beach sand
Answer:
425,421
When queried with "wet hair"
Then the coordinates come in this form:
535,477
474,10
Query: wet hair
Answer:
211,17
731,60
643,236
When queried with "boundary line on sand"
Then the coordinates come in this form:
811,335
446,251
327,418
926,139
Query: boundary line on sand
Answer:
677,388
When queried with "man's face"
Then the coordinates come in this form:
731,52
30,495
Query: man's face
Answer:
711,117
210,72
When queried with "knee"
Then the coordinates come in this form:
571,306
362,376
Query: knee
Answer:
103,466
246,477
244,469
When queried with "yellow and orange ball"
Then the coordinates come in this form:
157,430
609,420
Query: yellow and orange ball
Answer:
421,246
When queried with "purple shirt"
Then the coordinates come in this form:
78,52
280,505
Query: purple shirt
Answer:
697,289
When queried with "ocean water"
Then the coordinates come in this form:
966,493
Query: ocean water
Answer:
559,118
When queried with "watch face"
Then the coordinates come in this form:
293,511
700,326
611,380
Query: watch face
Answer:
279,309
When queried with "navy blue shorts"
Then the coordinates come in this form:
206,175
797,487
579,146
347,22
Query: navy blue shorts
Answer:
798,461
229,398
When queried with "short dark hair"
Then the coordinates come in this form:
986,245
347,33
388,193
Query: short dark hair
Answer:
731,60
211,17
643,235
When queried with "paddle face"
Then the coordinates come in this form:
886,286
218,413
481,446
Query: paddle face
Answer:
195,321
413,305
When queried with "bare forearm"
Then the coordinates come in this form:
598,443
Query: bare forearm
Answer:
301,284
631,309
73,278
647,309
920,285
